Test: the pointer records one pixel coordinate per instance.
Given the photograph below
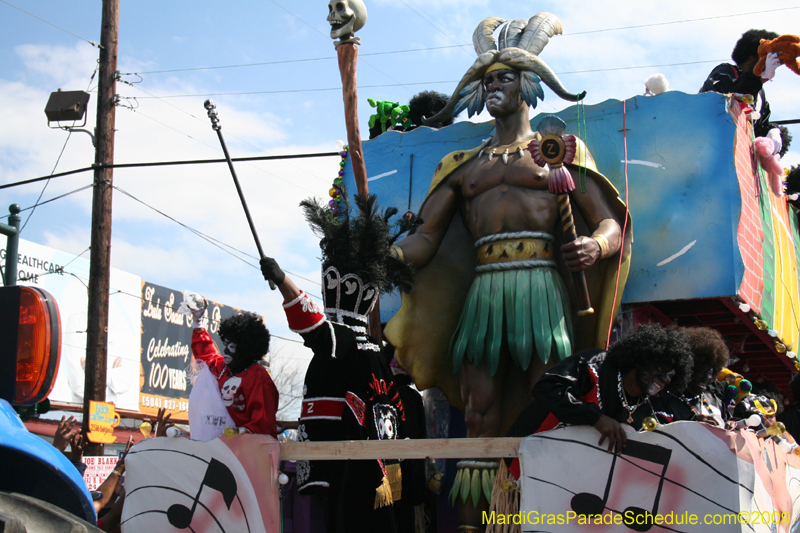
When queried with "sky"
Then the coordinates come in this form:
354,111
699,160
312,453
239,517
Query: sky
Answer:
271,68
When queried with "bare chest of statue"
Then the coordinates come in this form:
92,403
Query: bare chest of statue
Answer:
505,197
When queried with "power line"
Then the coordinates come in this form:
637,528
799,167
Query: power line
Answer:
425,49
219,244
683,21
54,199
433,82
214,147
168,163
69,135
50,23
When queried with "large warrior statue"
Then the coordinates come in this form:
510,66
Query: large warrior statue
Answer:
494,301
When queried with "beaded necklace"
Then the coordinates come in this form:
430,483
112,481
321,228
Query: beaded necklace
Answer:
691,402
624,399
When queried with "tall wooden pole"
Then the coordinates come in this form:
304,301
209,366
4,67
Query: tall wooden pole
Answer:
100,258
348,60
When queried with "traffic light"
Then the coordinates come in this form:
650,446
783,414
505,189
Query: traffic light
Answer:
30,344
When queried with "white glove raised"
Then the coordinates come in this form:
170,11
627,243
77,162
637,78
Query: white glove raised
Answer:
194,305
777,142
773,62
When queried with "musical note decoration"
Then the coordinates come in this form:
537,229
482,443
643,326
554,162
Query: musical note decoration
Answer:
588,504
218,477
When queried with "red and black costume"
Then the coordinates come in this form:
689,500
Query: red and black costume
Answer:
727,79
672,407
348,395
577,391
250,396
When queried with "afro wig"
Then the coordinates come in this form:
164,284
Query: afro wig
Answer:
709,350
652,345
249,333
747,45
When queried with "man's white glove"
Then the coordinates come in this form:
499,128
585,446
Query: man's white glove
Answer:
773,62
194,305
777,142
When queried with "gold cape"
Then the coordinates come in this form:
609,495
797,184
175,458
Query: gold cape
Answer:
421,330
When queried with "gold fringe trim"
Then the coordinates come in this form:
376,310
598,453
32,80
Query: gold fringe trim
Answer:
395,476
505,500
383,494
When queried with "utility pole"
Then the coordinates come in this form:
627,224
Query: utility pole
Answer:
100,258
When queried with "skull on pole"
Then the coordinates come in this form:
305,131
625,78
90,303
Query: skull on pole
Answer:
346,17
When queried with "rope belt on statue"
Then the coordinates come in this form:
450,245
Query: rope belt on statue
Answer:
515,251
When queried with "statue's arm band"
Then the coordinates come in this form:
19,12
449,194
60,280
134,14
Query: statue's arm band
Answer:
603,243
398,252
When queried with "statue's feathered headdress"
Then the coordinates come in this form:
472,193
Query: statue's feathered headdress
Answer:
518,47
359,243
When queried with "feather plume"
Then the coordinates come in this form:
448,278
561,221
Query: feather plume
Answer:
537,34
510,33
360,243
471,98
530,88
482,38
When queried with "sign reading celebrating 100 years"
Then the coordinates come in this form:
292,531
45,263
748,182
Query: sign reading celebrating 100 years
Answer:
167,348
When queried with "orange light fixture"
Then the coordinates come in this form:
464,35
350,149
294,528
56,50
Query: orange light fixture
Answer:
34,349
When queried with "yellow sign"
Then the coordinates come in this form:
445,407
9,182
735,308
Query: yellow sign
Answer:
102,421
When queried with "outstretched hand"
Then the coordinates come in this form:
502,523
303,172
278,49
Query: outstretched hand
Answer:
271,271
612,430
67,428
581,253
163,423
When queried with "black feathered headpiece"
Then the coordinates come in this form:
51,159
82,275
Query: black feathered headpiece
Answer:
357,262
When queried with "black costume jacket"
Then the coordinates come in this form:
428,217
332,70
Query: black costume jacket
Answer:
727,78
671,407
577,391
348,395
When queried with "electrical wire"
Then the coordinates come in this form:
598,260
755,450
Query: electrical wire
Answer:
683,21
426,49
429,82
54,199
53,25
69,129
203,120
219,244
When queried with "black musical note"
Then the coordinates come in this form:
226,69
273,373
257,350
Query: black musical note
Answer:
586,503
218,477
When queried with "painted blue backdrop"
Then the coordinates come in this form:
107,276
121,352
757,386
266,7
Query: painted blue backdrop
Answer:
683,193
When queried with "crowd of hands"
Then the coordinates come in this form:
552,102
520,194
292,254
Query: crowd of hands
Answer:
110,495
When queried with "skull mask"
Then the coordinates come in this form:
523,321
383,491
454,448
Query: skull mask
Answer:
229,390
346,17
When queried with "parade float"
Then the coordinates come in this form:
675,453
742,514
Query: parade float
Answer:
716,244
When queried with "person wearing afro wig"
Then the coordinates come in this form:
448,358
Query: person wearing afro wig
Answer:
704,397
739,78
605,389
247,389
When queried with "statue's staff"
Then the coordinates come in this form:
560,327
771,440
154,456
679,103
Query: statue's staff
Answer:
555,149
345,19
211,107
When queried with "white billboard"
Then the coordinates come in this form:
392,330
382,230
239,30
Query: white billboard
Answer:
66,278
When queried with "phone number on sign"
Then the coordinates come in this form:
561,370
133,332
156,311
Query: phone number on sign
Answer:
168,403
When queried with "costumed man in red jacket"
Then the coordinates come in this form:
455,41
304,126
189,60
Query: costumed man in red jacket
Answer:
348,391
247,390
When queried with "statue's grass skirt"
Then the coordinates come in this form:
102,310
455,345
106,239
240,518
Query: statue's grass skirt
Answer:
529,308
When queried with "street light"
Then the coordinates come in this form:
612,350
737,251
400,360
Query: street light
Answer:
68,105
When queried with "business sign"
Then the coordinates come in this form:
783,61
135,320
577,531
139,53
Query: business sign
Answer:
103,418
166,348
66,277
98,468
